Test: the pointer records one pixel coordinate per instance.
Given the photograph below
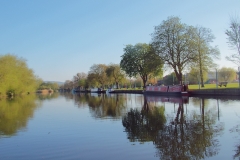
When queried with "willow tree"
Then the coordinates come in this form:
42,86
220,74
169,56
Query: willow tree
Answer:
174,42
98,73
115,73
15,76
142,60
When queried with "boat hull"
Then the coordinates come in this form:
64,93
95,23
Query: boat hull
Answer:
176,90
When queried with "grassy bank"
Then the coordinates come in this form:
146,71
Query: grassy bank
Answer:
213,86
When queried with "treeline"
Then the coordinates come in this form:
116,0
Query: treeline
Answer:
104,76
186,50
16,77
49,86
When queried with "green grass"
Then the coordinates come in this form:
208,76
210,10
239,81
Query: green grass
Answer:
213,86
196,86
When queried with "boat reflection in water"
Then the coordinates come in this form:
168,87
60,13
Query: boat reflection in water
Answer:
171,99
175,135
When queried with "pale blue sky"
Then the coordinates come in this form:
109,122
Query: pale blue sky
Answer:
60,38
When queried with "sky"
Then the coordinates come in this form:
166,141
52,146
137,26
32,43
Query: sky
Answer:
60,38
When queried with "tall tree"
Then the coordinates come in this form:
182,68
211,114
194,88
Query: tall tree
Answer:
79,78
193,75
142,60
98,73
174,43
205,51
68,85
114,72
233,36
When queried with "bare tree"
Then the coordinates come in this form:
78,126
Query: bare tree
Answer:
233,36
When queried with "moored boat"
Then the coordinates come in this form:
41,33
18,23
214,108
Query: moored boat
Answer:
175,90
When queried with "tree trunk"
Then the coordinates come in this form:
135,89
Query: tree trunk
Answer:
179,76
144,78
117,84
200,68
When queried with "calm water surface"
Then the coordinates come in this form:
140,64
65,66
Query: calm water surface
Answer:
119,126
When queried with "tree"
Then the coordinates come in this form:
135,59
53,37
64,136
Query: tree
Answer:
227,74
16,77
173,41
194,76
141,59
233,36
114,72
170,79
78,78
205,51
98,73
91,80
68,85
48,85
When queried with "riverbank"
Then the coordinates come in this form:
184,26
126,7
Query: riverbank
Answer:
195,92
134,91
215,92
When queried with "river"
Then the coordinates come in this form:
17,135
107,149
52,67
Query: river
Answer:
119,126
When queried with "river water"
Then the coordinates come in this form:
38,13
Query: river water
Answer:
119,126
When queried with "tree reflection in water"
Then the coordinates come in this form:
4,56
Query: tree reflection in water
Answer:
236,129
144,125
15,113
102,105
190,136
47,96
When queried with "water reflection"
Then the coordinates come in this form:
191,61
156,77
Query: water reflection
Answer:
236,129
175,128
144,125
185,136
15,113
101,105
47,96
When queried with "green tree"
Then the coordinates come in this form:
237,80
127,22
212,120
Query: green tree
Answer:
79,80
227,74
141,59
174,43
48,85
15,76
115,73
98,74
170,79
194,75
233,35
68,85
205,51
